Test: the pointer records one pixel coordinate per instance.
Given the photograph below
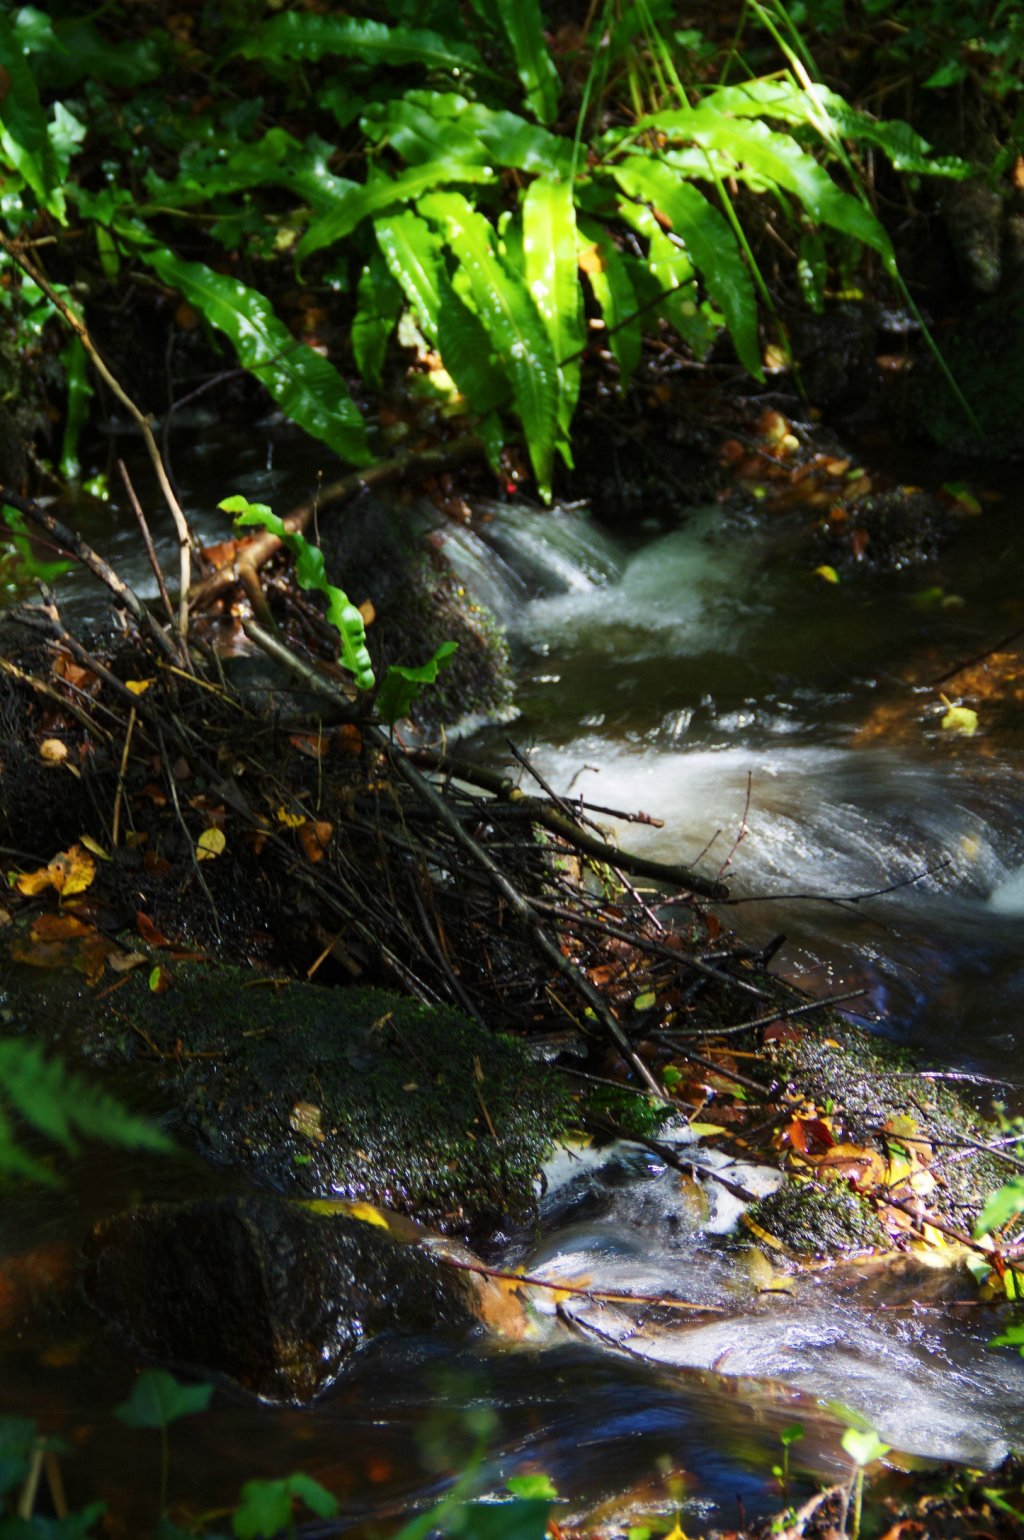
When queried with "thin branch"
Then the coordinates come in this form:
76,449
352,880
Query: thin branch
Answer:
81,331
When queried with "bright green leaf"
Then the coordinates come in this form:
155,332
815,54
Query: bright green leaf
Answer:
507,310
707,237
24,138
402,686
609,279
524,27
306,386
549,254
863,1445
383,193
1001,1207
310,574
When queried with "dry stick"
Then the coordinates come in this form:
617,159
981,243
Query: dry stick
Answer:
518,904
259,551
588,922
505,790
115,822
147,539
43,688
81,331
90,559
783,1014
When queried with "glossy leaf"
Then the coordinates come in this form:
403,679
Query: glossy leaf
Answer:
276,160
710,242
24,137
424,126
524,27
414,252
378,302
306,386
510,317
158,1399
360,201
778,161
306,35
602,262
549,255
402,686
426,122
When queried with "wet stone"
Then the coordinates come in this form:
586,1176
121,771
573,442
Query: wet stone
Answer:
349,1093
263,1291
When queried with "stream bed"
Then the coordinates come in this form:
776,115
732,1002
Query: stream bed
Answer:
707,676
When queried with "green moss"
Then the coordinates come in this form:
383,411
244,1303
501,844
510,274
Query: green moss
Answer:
355,1093
817,1221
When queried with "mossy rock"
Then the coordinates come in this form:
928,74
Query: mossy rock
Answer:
809,1220
350,1093
263,1291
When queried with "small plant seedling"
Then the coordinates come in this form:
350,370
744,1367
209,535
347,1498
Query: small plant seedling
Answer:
790,1435
157,1400
863,1445
267,1508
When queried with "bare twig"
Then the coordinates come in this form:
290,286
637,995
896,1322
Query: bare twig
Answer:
81,331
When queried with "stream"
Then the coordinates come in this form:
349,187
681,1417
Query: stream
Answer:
705,675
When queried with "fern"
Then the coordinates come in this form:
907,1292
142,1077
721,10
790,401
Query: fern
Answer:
61,1105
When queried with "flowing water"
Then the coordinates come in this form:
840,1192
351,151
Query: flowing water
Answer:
703,674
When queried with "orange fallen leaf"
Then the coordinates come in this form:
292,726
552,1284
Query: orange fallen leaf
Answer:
315,838
149,931
58,927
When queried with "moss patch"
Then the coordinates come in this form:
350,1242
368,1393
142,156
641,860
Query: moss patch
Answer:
351,1093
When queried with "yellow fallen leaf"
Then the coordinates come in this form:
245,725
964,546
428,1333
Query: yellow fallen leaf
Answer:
829,574
32,883
290,820
210,844
368,1214
960,719
138,686
94,846
53,751
72,871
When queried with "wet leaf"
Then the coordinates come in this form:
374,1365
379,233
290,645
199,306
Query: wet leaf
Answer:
210,844
290,820
960,719
315,838
828,574
148,931
863,1445
72,871
138,686
93,846
159,980
58,927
